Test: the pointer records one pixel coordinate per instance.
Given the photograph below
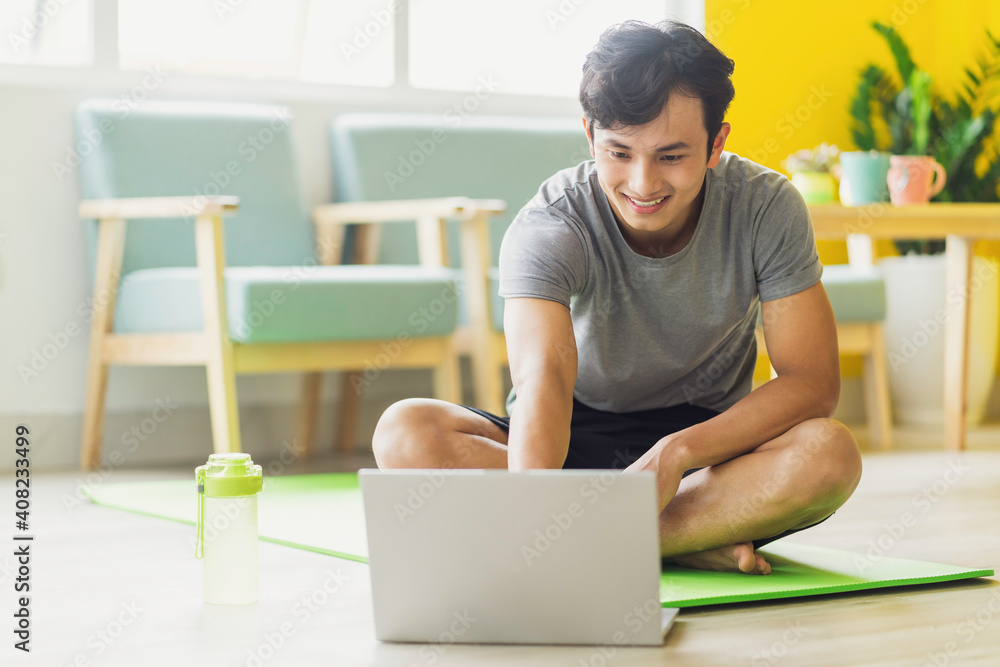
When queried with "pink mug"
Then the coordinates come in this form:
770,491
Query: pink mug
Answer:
910,179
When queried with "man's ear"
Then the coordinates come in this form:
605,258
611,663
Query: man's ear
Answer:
589,130
719,145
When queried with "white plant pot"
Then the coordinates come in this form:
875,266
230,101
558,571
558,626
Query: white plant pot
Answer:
914,336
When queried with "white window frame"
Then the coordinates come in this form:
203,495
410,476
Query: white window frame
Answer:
106,77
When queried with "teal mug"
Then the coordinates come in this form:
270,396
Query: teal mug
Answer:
863,177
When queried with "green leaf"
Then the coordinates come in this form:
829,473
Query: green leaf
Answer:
990,181
969,91
961,141
963,183
866,96
920,87
899,50
963,107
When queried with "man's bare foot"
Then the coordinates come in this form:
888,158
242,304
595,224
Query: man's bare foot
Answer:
732,558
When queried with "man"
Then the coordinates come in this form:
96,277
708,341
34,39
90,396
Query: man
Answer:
633,284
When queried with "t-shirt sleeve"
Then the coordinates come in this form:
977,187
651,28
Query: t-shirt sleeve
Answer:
542,256
784,248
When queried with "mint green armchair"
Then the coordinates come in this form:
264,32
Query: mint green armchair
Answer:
391,156
260,293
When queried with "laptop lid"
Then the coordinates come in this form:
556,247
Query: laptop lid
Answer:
535,557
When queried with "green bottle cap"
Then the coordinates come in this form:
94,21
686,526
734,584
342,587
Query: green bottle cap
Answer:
225,476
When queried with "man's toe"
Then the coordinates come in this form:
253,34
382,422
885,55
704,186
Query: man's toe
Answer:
763,567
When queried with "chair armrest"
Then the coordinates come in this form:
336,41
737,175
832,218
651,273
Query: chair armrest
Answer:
429,214
209,250
404,209
157,207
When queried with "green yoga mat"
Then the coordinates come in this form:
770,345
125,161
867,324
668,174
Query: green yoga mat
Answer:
796,570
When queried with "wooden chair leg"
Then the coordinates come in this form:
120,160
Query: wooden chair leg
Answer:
93,412
305,432
447,378
110,250
500,370
222,404
350,404
487,380
877,402
210,250
486,376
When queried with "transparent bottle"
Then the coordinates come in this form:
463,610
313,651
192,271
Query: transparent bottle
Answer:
227,527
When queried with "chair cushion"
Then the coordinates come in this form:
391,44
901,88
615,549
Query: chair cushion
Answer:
857,295
272,304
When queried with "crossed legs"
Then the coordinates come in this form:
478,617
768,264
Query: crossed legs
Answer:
787,483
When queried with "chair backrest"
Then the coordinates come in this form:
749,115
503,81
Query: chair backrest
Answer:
380,156
183,148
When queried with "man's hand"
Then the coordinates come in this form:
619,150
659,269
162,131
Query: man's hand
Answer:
667,462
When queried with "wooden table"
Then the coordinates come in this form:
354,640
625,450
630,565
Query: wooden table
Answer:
961,225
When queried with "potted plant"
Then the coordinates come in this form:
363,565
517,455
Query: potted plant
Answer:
905,116
813,172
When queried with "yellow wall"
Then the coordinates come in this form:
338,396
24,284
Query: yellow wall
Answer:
797,65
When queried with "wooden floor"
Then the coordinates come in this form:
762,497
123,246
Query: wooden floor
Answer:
113,588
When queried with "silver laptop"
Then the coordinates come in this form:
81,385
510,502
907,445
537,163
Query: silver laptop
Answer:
536,557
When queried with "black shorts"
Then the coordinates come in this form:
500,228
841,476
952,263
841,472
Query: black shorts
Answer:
610,440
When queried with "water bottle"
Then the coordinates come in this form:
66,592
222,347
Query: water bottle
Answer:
227,527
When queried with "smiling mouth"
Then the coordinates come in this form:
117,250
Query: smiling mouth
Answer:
644,204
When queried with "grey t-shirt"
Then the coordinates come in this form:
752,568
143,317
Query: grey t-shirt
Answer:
656,332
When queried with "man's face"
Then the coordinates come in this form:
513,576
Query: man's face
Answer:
653,173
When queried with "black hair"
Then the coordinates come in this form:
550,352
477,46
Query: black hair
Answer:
630,74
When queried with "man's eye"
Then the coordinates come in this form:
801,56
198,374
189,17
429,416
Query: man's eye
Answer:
672,158
619,156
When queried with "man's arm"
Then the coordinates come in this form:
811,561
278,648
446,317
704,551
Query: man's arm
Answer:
541,349
801,336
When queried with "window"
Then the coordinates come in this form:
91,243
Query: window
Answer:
50,32
299,40
528,47
517,47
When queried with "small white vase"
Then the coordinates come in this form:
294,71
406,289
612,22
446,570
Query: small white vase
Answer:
914,336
